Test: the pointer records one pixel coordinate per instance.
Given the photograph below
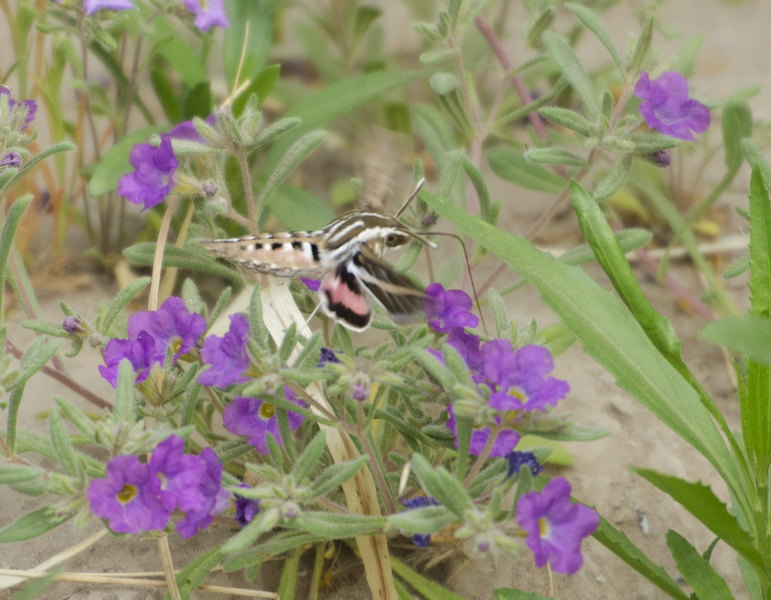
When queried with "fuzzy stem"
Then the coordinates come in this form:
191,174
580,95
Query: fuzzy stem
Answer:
250,207
494,431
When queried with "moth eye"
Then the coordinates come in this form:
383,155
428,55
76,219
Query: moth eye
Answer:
392,239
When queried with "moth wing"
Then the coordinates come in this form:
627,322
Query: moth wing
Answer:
343,298
397,293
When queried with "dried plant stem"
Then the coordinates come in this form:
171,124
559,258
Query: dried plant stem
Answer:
279,311
155,285
381,480
168,567
109,579
170,276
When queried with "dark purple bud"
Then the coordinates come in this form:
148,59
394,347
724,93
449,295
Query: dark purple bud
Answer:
73,325
429,220
517,459
660,158
246,508
360,391
327,356
483,545
11,159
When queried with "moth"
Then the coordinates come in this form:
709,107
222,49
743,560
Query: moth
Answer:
346,256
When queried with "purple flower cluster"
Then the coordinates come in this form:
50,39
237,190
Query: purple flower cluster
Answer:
517,380
555,527
227,355
151,333
666,106
137,497
255,419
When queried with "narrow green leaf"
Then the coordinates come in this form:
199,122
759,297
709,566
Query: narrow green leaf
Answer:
65,452
512,166
35,356
701,502
115,162
165,94
192,256
642,48
298,209
435,368
33,524
646,142
593,23
309,458
628,239
429,589
288,583
6,238
189,578
52,329
336,526
33,162
569,119
440,484
281,542
747,335
499,313
124,409
478,181
567,62
77,416
510,594
435,132
737,267
177,52
121,301
555,156
11,473
736,124
294,156
755,158
262,523
198,102
259,14
544,21
614,180
335,475
698,573
260,86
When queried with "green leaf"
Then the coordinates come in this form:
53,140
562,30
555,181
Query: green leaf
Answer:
555,156
124,410
288,583
608,333
569,119
701,502
39,352
11,473
6,239
13,179
336,526
646,142
426,519
642,48
165,94
617,542
614,180
121,301
628,240
198,102
281,542
260,86
191,256
736,124
65,452
755,158
513,166
435,132
737,267
698,573
115,162
430,590
262,523
177,52
435,368
335,475
747,335
544,21
440,484
189,578
593,23
567,62
77,416
309,458
33,524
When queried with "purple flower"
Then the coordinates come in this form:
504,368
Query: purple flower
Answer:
520,378
555,527
171,325
30,105
209,13
11,159
153,177
421,540
503,444
517,459
92,6
328,356
660,158
256,418
186,130
246,508
216,498
360,391
312,284
73,325
141,353
227,355
666,106
467,345
449,309
176,476
126,497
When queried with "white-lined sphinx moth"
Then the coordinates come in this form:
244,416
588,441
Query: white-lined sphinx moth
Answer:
345,255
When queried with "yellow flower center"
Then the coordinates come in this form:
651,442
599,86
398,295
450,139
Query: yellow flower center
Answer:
163,480
267,410
516,393
127,493
204,5
544,527
176,344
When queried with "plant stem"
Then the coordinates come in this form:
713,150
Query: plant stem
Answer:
155,285
494,431
251,209
168,567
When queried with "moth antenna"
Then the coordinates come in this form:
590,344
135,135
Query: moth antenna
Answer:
414,193
470,276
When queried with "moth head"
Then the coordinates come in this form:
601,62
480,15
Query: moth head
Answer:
396,239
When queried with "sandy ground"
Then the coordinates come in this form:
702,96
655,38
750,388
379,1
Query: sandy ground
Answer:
733,55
